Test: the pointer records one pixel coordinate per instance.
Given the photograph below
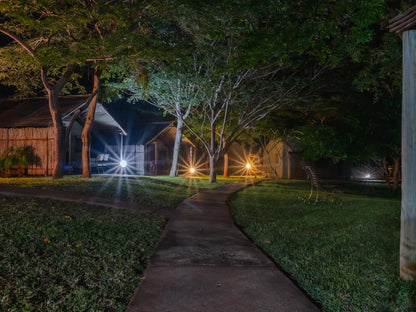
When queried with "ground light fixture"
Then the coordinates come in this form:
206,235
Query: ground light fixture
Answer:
123,163
248,166
192,170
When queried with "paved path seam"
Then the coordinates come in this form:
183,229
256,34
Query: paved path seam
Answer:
204,263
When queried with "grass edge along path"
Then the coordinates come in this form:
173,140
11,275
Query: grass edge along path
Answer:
115,188
63,256
70,256
343,251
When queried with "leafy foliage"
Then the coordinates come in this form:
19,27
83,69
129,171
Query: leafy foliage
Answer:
19,158
257,58
71,32
353,108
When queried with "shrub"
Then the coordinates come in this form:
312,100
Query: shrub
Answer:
18,159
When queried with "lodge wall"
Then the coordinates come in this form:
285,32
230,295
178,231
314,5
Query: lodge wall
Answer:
41,139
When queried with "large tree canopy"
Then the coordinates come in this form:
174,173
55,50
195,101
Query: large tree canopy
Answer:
276,55
54,40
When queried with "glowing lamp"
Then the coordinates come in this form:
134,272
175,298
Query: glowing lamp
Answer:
192,170
248,166
123,164
367,176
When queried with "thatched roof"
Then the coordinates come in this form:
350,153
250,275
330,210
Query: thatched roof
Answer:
404,21
34,112
162,131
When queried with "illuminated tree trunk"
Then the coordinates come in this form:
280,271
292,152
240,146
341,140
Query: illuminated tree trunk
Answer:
226,165
408,214
212,173
225,173
86,131
59,129
176,148
212,160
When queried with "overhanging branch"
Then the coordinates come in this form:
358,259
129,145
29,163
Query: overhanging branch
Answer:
19,40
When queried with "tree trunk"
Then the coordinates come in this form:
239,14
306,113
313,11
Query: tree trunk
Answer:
59,128
176,148
212,173
408,214
225,165
59,131
385,167
86,131
396,173
274,168
212,156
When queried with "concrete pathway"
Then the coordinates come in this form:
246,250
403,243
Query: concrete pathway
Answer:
204,263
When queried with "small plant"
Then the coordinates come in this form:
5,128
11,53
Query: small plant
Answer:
18,159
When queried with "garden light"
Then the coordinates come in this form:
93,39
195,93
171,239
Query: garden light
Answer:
248,166
192,170
123,163
367,176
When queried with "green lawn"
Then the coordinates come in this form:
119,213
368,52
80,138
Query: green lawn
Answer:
62,256
200,182
343,251
146,192
65,256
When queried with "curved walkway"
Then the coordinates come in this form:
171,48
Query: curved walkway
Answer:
204,263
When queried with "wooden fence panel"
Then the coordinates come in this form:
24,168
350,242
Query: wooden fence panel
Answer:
42,140
3,140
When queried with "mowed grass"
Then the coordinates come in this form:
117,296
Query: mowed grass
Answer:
122,188
198,182
343,251
65,256
62,256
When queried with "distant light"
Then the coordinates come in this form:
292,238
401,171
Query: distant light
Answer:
123,164
248,166
367,176
192,170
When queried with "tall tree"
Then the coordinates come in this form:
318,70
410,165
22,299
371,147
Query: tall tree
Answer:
237,85
175,90
53,91
268,53
232,103
65,36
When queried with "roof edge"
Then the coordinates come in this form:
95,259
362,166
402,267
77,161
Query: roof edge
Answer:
403,22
